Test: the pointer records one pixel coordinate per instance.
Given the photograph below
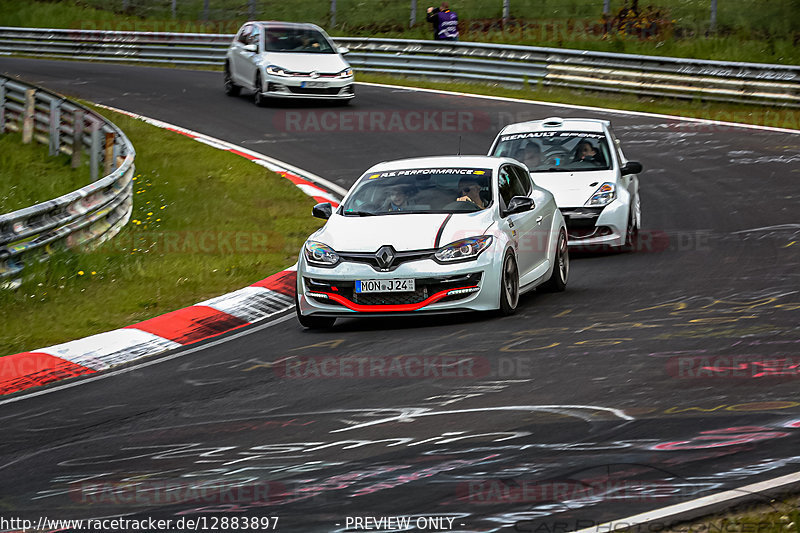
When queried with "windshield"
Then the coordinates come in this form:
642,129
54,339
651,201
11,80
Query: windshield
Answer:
557,151
301,40
420,190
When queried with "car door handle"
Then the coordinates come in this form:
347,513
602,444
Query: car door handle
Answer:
539,219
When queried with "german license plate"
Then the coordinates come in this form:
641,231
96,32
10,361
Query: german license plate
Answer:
384,285
313,84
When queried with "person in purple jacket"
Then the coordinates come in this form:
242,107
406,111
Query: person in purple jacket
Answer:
445,22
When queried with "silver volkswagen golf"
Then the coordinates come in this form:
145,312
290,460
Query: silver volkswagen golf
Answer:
287,60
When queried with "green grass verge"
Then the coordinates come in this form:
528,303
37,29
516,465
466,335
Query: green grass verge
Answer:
28,175
205,222
748,30
778,117
774,517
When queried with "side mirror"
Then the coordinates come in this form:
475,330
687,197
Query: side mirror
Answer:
344,50
631,167
251,48
323,210
519,204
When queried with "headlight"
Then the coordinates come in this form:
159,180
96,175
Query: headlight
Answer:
464,249
319,254
346,73
277,71
604,195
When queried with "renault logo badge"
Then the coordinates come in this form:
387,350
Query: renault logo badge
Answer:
385,256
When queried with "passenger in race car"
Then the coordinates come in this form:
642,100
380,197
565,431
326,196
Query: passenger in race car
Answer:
532,156
396,199
470,191
587,153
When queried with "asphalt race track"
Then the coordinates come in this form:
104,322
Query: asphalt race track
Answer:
657,377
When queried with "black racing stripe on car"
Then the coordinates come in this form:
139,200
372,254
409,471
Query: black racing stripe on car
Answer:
441,230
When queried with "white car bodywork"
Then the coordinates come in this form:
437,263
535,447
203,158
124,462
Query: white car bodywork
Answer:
614,224
253,64
531,236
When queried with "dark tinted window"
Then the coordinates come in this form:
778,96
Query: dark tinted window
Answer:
557,151
509,184
299,40
524,179
244,33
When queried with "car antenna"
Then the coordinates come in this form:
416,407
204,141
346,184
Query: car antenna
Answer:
459,145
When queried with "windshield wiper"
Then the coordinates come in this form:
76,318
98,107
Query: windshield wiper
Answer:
350,212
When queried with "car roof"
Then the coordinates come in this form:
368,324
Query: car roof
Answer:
458,161
271,24
558,124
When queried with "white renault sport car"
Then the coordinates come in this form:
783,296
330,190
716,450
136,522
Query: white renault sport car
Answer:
287,60
432,235
581,162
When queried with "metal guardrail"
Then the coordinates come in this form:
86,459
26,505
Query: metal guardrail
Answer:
509,64
89,215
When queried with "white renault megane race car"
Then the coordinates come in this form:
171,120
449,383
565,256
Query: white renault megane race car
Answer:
581,162
432,235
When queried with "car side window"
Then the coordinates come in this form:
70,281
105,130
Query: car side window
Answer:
510,184
524,180
615,146
244,34
254,37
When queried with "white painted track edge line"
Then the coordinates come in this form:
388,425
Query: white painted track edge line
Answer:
585,107
699,507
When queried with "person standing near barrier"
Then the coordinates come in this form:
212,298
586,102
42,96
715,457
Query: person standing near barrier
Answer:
445,22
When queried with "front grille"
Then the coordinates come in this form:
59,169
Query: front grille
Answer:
391,298
309,90
425,287
399,259
581,217
587,233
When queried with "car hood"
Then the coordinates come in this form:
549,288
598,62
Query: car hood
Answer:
299,62
402,232
573,189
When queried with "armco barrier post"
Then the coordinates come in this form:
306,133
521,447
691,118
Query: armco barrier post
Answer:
94,150
2,106
28,115
55,126
108,154
77,138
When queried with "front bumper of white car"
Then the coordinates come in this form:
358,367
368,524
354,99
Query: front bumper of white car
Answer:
439,288
597,227
306,87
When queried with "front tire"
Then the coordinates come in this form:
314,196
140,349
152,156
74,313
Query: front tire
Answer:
258,98
509,285
558,280
231,89
631,235
312,322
